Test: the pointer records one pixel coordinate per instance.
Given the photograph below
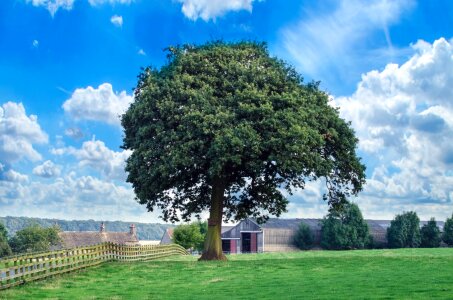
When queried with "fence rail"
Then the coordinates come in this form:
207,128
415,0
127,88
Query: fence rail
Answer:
30,267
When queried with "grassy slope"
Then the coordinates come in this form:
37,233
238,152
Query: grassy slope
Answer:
404,273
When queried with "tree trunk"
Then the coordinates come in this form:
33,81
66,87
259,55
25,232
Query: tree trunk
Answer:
213,243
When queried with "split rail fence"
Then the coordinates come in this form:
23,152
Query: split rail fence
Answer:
34,266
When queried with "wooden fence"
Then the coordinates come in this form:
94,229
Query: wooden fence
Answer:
29,267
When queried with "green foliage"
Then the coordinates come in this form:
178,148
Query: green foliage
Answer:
447,236
404,231
35,238
5,249
151,231
345,229
303,238
189,236
230,113
430,235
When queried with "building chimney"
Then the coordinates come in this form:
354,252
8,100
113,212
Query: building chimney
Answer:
133,230
102,227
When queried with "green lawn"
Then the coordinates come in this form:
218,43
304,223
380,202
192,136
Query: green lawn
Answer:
389,274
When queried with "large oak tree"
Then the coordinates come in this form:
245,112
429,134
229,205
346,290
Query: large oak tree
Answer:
225,127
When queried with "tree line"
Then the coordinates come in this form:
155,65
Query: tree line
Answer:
145,231
348,230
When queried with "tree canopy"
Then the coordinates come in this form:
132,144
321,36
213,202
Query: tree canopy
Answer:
345,229
34,238
303,239
447,235
226,127
430,235
404,231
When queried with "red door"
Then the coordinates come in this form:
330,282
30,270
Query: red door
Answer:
233,246
253,242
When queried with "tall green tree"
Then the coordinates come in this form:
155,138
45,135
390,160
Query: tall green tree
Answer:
189,236
345,229
224,127
404,231
34,238
5,249
430,235
447,235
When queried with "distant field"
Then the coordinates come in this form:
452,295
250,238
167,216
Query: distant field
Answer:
389,274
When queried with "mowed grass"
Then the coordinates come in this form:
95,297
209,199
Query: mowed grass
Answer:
365,274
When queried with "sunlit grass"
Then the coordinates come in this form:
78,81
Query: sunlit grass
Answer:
397,274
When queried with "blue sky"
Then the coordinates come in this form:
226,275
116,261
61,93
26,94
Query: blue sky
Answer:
68,68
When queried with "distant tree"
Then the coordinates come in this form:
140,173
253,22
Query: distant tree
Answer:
430,235
345,229
404,231
34,238
225,127
5,249
447,236
189,236
303,238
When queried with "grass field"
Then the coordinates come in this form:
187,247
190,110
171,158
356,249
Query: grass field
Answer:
383,274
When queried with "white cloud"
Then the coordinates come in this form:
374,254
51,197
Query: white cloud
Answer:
53,5
117,20
35,43
47,170
14,176
72,197
112,2
18,133
96,155
329,44
141,52
403,116
210,9
101,104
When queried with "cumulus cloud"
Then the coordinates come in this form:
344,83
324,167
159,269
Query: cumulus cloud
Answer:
329,44
403,116
210,9
18,133
35,43
96,155
98,104
53,5
47,170
72,197
13,176
141,52
117,20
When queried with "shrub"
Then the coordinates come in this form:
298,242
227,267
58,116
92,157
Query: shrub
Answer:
448,231
303,238
404,231
430,235
189,236
345,229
